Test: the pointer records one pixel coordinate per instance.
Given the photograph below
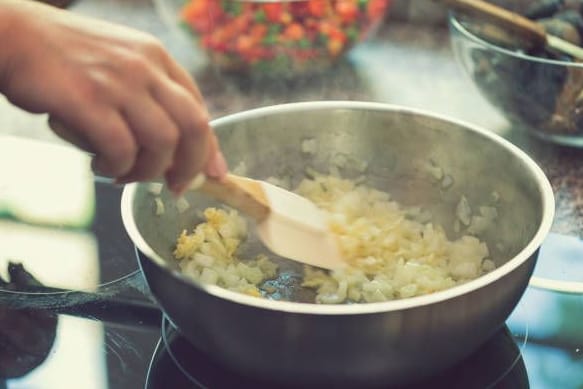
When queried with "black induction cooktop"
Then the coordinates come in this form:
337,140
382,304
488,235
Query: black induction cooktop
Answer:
112,335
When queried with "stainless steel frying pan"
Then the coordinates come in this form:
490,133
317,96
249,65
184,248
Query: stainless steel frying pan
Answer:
397,341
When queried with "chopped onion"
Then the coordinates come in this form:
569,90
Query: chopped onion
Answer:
155,188
390,254
361,166
340,160
488,265
483,221
160,209
464,212
495,196
197,182
447,181
334,171
310,146
182,205
434,170
456,226
240,169
311,172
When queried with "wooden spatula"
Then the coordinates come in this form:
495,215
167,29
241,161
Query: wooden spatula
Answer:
527,29
288,224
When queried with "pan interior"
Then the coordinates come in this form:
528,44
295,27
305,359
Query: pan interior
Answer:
395,145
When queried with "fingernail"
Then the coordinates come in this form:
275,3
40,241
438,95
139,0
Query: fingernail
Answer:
217,168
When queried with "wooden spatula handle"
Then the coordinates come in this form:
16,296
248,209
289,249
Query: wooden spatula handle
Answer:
240,193
518,24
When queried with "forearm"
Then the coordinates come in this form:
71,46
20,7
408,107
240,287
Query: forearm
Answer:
15,16
10,19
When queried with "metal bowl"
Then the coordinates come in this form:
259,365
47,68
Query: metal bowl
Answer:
538,93
396,341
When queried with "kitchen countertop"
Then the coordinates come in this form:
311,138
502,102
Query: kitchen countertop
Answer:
403,64
111,346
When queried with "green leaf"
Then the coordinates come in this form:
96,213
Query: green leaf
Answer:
352,33
274,29
270,39
260,16
232,7
304,43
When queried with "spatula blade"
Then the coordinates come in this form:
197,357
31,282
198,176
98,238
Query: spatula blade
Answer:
297,229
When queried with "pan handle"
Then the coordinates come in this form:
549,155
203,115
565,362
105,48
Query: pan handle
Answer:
24,292
96,306
121,311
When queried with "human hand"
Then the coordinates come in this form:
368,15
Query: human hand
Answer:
116,92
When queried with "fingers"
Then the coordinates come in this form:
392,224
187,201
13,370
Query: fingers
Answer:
157,128
103,132
119,95
157,135
181,77
76,138
163,134
216,165
188,162
197,144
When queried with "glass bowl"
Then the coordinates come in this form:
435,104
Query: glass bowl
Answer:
537,92
274,38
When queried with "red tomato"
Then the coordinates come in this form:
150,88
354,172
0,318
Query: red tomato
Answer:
311,23
286,18
249,51
229,29
335,47
240,23
299,8
347,10
244,44
207,16
193,10
220,46
336,34
376,9
317,7
258,32
325,27
294,32
273,11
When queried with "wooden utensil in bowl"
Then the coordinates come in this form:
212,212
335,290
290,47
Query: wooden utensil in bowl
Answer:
288,224
529,31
